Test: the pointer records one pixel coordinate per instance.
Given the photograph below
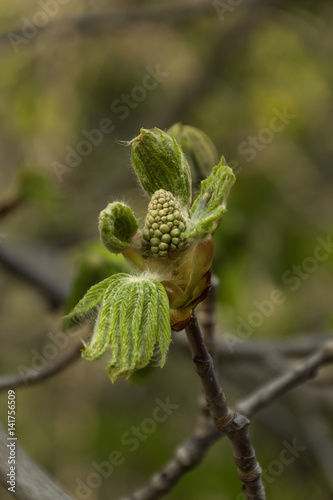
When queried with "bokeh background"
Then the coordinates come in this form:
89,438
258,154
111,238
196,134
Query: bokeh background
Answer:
228,68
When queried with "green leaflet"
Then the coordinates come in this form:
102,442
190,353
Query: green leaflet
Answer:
163,322
133,317
144,320
210,205
92,298
103,327
117,226
96,264
160,164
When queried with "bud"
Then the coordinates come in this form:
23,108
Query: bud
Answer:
160,164
199,150
210,205
117,227
165,226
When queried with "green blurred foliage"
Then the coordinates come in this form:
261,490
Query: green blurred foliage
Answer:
60,86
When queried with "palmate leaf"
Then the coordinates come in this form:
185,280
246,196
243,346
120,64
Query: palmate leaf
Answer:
134,316
210,205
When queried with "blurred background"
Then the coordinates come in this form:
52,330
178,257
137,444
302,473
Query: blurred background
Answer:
78,81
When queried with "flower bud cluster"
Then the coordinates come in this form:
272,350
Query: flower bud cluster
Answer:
164,227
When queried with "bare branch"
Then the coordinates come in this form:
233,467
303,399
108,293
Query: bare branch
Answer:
37,271
97,23
187,456
231,423
53,367
173,471
8,205
298,346
295,376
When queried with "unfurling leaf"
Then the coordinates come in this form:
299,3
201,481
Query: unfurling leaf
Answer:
117,226
198,148
96,263
160,164
93,297
133,318
210,205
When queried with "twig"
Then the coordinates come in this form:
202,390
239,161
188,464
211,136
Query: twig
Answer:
173,471
187,456
8,205
252,351
53,367
295,376
53,286
233,424
207,318
96,23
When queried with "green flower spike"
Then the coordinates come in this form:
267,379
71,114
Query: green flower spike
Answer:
165,226
172,255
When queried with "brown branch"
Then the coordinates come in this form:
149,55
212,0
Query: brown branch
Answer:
295,376
97,23
53,367
53,285
9,204
253,351
187,456
233,424
173,471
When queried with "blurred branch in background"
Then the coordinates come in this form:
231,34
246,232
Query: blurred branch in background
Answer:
33,483
97,23
193,450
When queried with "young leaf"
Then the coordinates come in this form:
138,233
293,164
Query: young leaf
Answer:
210,205
164,331
134,317
160,164
91,299
96,264
103,326
117,226
198,148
